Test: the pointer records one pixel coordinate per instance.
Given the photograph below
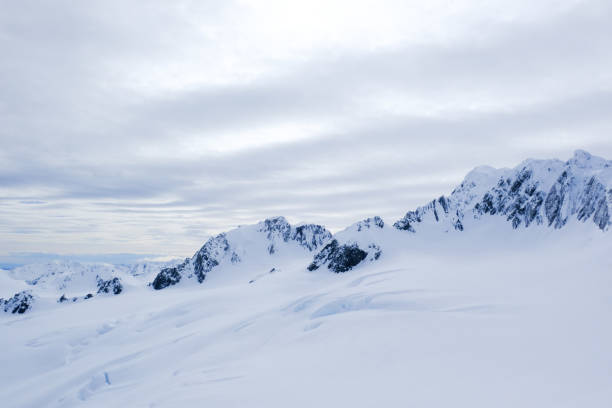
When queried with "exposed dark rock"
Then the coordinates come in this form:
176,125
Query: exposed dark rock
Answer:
339,258
595,204
567,197
520,180
439,208
346,258
88,296
311,236
532,208
19,303
113,285
166,277
62,299
370,223
517,199
554,201
525,196
203,264
601,216
277,226
458,225
444,203
406,223
486,206
218,249
209,256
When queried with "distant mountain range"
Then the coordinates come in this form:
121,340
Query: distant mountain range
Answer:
540,193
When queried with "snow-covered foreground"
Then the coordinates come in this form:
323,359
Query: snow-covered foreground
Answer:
516,318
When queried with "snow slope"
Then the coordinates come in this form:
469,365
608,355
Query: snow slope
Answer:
495,313
520,320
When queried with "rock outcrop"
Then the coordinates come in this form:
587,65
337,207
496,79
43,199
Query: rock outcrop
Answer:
338,258
20,303
350,247
112,286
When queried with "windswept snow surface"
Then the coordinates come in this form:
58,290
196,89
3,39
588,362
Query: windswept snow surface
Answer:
490,317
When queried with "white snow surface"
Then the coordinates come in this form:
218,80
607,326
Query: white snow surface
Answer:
491,317
487,316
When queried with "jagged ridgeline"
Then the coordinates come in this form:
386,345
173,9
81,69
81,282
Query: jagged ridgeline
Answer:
542,192
267,237
536,193
350,247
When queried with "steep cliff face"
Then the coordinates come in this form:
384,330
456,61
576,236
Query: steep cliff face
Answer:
439,210
587,198
540,192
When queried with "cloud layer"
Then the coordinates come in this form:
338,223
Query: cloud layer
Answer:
145,127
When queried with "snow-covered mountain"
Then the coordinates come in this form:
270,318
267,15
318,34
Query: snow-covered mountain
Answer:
69,281
541,192
269,239
548,193
536,193
350,247
496,295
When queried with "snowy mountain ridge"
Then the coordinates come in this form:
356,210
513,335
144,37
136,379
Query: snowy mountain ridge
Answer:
495,314
61,281
546,193
265,238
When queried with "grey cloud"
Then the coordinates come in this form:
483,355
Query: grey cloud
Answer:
535,60
73,130
406,135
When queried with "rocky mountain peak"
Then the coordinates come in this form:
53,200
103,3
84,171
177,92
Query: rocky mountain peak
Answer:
276,227
243,242
548,192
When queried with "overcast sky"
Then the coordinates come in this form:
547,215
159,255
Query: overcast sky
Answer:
145,127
